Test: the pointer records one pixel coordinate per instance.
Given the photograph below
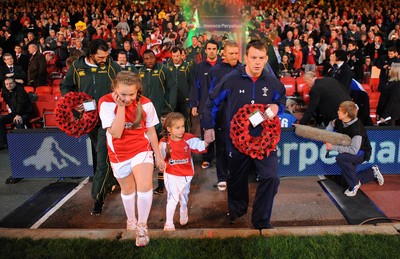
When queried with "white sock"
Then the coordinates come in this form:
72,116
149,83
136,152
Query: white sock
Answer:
129,204
144,201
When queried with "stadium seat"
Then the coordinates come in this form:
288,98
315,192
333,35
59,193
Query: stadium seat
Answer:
290,85
56,82
44,89
41,108
306,94
29,89
56,91
373,100
300,85
374,84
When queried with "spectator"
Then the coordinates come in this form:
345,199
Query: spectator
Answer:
9,69
355,60
341,70
122,60
37,68
285,68
310,56
392,107
325,96
131,54
21,59
20,110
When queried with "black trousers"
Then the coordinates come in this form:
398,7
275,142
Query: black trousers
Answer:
103,178
240,165
7,119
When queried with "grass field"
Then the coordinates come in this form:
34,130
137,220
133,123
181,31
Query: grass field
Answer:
329,246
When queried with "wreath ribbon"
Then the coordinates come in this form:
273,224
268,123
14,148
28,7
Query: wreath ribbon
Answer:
254,146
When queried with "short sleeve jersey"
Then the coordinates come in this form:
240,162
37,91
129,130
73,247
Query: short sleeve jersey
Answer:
132,141
180,162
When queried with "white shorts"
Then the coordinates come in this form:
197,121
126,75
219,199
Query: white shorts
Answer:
123,169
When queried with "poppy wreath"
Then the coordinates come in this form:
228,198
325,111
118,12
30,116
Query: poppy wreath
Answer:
68,121
254,146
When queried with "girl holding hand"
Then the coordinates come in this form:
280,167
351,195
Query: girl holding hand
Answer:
132,144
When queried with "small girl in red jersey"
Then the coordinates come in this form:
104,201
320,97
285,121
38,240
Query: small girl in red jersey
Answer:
129,119
176,147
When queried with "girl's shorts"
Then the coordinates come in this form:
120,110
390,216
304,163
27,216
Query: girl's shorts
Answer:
123,169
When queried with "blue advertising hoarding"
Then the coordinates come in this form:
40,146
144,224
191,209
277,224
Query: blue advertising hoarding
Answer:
49,153
300,157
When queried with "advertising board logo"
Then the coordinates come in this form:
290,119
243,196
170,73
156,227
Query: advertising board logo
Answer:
50,154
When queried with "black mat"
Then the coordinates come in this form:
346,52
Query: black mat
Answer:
357,209
37,206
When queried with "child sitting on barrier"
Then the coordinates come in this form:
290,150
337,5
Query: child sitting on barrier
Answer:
176,148
358,151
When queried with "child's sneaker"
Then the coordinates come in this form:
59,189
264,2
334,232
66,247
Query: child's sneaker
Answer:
169,227
221,186
184,217
378,175
131,225
205,165
353,192
142,235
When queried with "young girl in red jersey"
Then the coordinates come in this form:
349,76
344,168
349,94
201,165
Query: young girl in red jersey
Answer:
176,147
129,119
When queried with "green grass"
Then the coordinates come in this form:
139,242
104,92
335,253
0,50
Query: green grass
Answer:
344,246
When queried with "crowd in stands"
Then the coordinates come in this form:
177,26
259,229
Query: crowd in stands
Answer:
302,35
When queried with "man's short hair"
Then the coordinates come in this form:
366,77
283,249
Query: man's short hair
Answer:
176,49
6,55
148,51
257,44
95,45
340,55
230,43
211,42
392,49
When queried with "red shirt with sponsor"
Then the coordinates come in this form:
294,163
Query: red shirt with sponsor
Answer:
181,162
132,141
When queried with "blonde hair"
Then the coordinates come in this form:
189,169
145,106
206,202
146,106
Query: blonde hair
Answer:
230,43
394,73
350,108
130,78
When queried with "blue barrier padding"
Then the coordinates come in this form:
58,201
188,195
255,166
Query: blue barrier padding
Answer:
303,157
49,153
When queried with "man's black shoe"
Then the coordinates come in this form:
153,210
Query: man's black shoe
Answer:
97,207
13,180
231,219
3,146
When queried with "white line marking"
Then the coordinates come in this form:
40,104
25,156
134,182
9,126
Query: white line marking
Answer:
321,177
59,204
